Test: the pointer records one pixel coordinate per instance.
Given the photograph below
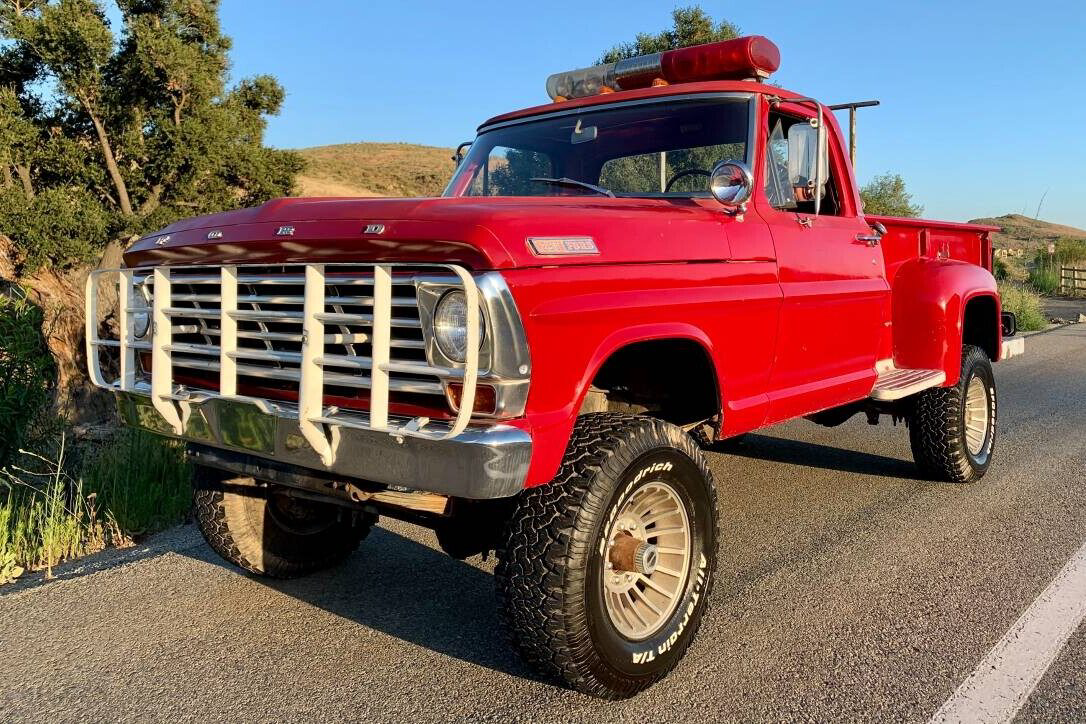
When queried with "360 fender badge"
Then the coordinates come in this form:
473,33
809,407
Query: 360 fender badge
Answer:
374,229
285,231
562,245
162,240
216,234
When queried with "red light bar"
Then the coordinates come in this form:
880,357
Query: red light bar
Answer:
751,57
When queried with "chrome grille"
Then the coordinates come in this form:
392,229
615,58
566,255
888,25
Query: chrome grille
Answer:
269,313
245,332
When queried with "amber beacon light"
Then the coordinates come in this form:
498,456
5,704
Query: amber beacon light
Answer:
754,57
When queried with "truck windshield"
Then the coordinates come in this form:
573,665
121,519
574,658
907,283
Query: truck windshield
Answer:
664,149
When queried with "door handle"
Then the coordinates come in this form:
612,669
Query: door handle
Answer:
804,221
869,239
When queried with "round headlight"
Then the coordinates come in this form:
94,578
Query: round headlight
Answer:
141,320
451,326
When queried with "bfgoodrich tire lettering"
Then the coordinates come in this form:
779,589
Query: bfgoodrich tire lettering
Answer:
549,574
948,442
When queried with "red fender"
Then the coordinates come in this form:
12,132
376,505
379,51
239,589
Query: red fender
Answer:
929,297
551,431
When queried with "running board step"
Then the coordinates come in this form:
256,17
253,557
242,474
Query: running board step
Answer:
894,384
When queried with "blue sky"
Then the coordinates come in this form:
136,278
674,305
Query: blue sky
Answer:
983,103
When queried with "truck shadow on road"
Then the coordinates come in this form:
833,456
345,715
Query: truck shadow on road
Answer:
408,590
809,454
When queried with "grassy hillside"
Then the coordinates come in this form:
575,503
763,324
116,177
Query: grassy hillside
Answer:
375,169
1022,232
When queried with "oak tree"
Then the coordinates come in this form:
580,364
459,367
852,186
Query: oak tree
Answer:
107,131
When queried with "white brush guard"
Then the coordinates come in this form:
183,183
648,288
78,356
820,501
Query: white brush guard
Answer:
318,423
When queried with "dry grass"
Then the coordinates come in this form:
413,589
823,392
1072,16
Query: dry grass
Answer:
375,169
1022,232
68,503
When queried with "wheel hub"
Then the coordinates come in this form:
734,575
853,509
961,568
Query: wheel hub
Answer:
646,561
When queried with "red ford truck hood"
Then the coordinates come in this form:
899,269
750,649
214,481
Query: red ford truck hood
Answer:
479,233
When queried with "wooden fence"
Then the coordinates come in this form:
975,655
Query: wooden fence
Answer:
1072,280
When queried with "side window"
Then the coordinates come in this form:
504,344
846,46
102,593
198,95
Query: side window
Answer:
508,172
791,168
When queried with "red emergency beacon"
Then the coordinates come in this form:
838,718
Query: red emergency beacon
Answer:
754,56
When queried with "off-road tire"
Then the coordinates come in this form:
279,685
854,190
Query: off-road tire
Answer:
246,526
549,575
937,425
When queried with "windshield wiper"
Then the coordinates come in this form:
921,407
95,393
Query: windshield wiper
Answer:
564,181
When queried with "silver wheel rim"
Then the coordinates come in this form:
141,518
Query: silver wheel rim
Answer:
640,601
977,418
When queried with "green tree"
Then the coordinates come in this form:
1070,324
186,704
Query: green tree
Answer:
886,195
690,26
104,134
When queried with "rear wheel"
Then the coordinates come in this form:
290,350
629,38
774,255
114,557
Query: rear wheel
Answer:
270,533
952,430
605,573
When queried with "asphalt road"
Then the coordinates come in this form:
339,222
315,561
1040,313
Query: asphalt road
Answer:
848,590
1065,308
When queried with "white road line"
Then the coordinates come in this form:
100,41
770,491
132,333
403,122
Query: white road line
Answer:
1002,682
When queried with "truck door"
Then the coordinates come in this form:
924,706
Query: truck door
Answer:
835,295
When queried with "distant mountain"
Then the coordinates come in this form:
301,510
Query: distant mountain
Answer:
1022,232
375,169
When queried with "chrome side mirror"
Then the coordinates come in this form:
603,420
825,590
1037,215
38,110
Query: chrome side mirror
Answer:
731,183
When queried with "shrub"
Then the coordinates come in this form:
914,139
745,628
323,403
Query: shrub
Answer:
143,497
1045,279
55,505
1044,275
45,517
27,372
1026,305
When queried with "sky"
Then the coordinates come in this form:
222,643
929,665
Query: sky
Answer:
983,102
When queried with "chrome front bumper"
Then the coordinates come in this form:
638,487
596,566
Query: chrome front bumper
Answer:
487,462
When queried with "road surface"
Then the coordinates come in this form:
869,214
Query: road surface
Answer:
848,590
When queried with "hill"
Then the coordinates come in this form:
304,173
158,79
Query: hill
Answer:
374,169
1022,232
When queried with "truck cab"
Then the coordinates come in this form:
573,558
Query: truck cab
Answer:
669,253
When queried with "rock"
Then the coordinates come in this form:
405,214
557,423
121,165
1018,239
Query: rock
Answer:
1081,318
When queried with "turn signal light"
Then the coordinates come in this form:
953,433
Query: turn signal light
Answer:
754,56
485,398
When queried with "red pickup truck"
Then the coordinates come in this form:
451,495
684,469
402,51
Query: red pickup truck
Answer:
670,253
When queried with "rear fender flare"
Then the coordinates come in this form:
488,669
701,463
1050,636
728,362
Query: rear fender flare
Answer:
929,299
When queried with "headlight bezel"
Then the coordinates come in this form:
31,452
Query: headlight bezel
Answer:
504,359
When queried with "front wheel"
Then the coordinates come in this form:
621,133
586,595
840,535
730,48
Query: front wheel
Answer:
606,572
273,534
952,430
